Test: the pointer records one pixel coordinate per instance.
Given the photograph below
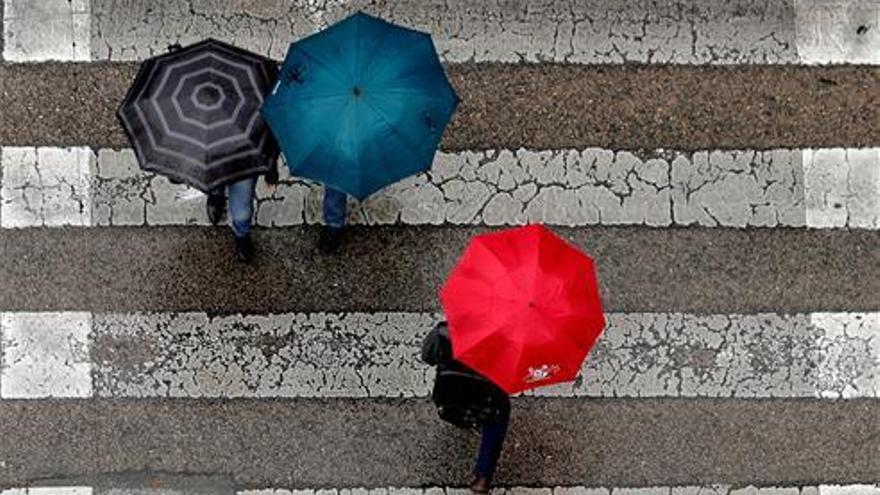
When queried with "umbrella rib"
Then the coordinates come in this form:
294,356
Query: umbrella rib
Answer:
371,59
330,68
404,92
393,128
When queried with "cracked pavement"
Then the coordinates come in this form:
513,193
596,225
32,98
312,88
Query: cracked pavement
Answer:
564,31
566,187
596,31
319,355
567,31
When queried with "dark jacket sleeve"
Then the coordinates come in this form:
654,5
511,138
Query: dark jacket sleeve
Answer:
436,347
271,176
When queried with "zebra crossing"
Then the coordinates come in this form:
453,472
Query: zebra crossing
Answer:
815,188
742,354
320,355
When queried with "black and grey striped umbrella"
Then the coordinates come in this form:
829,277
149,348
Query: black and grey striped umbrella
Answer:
194,114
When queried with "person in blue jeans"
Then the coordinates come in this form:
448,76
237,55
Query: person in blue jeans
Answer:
491,442
335,209
241,212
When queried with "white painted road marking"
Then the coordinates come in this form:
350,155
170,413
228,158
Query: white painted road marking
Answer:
842,187
45,355
571,31
838,31
45,187
822,188
39,30
50,490
190,355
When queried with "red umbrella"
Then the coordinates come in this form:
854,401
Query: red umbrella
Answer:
523,308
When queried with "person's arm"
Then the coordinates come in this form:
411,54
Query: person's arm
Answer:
430,347
271,176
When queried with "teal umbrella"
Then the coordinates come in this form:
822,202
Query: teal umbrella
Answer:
360,105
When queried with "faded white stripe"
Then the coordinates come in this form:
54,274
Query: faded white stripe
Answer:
822,188
49,490
571,31
45,355
35,31
191,355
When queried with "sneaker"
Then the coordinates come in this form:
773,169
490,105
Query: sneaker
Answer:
216,206
329,239
480,485
244,249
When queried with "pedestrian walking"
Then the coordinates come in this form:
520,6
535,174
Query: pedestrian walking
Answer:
240,196
468,400
335,210
524,310
193,115
358,106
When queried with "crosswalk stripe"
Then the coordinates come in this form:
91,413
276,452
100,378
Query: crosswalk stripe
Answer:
791,31
50,490
815,188
707,489
192,355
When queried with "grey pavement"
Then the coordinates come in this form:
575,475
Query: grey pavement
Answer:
187,268
533,106
374,443
780,188
165,484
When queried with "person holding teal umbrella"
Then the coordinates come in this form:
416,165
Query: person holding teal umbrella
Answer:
358,106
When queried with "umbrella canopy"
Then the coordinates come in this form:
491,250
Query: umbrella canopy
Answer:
360,105
523,308
194,114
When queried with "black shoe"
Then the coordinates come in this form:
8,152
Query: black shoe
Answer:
216,206
329,239
244,248
481,485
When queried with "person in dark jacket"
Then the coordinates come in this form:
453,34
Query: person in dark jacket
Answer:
466,398
241,210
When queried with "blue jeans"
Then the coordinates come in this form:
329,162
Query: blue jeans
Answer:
241,205
335,206
491,442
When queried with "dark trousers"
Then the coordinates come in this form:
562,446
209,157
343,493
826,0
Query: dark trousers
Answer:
491,442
